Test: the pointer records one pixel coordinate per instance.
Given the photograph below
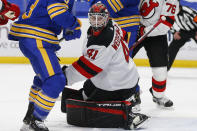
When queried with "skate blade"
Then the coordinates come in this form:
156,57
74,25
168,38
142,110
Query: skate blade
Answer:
142,125
136,109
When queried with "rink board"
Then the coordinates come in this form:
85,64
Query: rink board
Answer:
71,50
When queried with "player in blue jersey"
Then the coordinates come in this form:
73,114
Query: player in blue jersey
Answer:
37,30
126,14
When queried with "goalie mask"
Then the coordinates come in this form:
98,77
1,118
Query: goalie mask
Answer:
98,16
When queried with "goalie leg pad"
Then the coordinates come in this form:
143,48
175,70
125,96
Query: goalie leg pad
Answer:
69,93
107,114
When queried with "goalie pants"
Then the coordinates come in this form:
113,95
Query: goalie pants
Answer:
93,93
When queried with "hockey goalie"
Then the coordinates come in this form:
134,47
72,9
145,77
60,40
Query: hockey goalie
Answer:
111,78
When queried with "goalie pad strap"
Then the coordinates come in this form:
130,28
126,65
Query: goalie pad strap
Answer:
107,114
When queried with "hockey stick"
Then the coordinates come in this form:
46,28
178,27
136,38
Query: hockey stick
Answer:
61,39
163,18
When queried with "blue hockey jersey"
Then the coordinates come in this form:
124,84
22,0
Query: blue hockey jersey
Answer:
44,20
124,12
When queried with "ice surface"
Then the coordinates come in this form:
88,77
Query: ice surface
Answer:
15,81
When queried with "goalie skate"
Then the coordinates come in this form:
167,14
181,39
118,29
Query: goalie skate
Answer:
136,101
163,101
137,120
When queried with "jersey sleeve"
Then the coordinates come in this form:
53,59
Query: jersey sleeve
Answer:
169,10
94,60
60,12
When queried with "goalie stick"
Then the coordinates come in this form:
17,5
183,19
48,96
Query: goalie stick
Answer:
163,18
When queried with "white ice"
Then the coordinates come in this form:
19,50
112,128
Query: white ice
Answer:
15,81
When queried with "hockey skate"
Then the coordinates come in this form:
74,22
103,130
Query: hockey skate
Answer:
137,120
137,102
27,118
163,101
37,125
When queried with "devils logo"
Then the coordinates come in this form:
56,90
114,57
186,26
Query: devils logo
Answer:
147,8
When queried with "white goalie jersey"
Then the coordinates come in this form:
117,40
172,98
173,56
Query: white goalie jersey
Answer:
105,61
152,11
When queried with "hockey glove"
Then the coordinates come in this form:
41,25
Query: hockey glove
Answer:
76,26
73,32
141,31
